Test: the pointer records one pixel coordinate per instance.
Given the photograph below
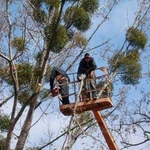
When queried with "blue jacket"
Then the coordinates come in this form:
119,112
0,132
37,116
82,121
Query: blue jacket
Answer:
86,67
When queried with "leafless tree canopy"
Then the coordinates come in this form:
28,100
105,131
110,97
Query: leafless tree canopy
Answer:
36,35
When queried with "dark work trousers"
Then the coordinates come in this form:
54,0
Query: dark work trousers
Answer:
64,91
90,85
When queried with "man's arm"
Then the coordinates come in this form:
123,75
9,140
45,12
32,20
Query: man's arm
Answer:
93,66
81,68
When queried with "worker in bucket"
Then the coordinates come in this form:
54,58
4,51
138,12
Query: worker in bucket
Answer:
86,69
62,78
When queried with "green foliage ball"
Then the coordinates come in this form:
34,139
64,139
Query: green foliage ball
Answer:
24,74
90,6
4,122
39,15
136,38
132,75
56,40
131,68
23,96
19,44
128,66
79,40
78,17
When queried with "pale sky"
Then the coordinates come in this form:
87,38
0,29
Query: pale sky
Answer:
121,18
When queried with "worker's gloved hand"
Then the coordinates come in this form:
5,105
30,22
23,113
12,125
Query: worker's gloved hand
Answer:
81,77
55,92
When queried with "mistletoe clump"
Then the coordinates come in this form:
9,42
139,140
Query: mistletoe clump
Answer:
19,44
4,122
77,17
128,66
90,6
136,38
24,72
23,96
79,40
56,40
39,15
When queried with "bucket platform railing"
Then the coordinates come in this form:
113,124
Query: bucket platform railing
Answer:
103,102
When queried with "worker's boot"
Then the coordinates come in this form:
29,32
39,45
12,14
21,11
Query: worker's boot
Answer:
87,96
94,95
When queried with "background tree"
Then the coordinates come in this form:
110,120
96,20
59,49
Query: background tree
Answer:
39,34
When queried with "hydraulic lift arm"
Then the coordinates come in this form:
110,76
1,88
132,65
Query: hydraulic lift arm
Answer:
106,133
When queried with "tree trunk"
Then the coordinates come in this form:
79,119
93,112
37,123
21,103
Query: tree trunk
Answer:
9,136
25,130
